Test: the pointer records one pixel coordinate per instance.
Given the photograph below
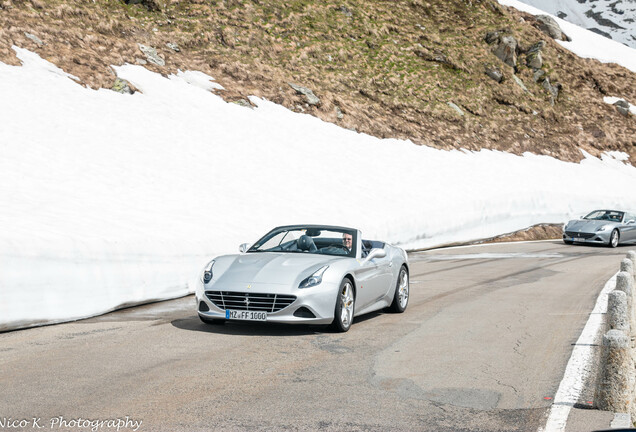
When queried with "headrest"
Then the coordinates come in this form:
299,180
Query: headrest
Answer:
304,242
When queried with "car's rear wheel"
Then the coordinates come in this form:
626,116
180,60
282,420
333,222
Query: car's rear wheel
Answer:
211,320
614,238
345,307
401,296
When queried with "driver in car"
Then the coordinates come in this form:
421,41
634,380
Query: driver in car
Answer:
347,241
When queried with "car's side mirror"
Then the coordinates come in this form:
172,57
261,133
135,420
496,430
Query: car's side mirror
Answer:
374,253
244,247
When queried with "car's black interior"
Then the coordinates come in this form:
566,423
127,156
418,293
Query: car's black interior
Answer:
325,245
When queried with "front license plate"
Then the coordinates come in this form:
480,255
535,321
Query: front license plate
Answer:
581,239
245,315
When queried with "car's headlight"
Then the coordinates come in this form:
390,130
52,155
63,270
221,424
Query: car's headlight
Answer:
604,228
207,273
314,279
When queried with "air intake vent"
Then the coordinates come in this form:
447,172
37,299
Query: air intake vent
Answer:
250,301
303,312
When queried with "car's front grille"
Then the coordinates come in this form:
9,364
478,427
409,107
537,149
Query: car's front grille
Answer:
249,301
578,234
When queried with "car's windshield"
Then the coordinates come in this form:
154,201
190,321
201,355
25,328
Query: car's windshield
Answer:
315,240
608,215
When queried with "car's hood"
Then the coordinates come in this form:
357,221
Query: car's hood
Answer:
273,268
585,225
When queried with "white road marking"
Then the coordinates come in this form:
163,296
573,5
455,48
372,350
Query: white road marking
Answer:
579,365
493,256
416,251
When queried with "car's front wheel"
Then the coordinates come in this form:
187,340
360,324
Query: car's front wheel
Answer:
613,241
568,242
345,306
401,296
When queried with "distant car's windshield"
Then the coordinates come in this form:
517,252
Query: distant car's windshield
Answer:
314,240
608,215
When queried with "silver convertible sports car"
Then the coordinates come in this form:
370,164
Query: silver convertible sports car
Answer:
307,274
608,227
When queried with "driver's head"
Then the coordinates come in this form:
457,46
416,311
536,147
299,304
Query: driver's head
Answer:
347,240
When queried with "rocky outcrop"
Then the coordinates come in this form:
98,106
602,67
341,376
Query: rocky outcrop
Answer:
151,5
504,46
173,46
534,58
549,26
151,55
34,38
311,98
622,106
494,73
122,86
553,90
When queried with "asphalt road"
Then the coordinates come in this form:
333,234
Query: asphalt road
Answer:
485,340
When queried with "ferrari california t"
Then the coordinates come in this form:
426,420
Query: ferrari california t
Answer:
607,227
309,274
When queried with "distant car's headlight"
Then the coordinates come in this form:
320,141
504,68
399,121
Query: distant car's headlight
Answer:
207,273
314,279
604,228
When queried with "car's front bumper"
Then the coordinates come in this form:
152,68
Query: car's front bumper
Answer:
600,237
313,305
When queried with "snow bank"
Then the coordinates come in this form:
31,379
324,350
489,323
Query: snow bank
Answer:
110,199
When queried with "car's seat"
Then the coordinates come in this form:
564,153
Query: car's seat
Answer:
306,243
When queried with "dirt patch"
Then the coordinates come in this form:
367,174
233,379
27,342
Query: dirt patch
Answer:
536,232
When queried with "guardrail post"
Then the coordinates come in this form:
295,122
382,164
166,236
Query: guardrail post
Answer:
613,391
632,256
618,317
627,266
625,283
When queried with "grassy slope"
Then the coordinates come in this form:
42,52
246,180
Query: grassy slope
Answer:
371,60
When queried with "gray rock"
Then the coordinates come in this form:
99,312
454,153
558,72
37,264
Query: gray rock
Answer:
140,61
339,114
549,26
632,256
534,59
243,103
34,38
553,90
121,86
520,83
492,37
151,55
538,75
494,73
345,10
312,99
506,50
622,106
173,46
151,5
456,108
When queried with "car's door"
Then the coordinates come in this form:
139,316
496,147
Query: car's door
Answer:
374,279
368,278
628,230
